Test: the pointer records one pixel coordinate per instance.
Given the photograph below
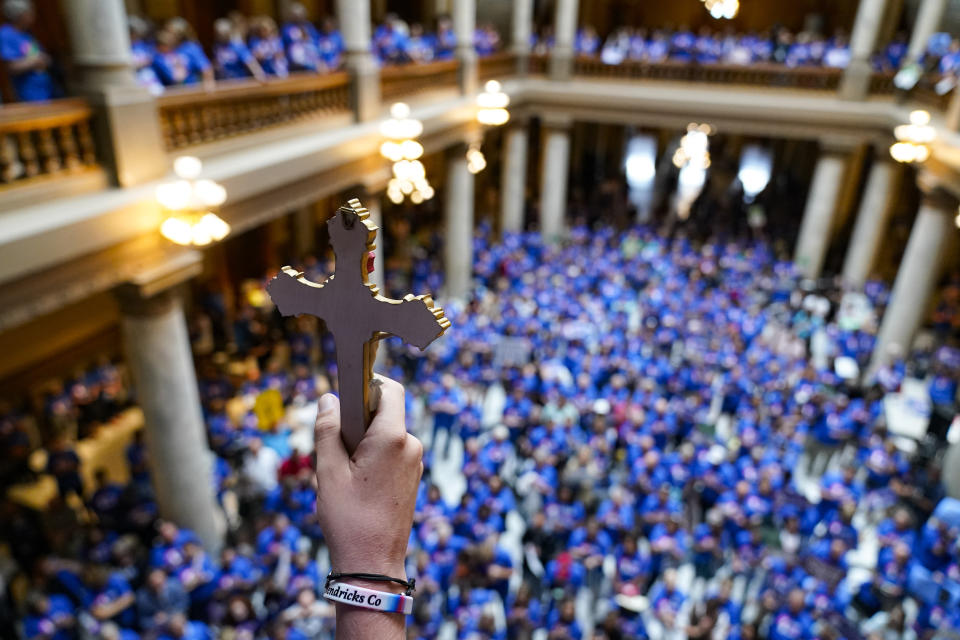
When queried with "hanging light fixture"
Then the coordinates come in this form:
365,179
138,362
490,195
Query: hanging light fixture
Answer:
191,202
492,105
694,147
476,162
404,151
722,9
913,139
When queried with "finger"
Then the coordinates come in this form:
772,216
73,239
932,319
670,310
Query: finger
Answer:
388,422
327,443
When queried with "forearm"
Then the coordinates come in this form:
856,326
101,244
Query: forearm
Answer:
354,623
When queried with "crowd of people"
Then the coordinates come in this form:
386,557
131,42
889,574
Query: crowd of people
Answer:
256,47
653,438
776,46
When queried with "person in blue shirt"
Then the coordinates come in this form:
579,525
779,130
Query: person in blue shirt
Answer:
199,69
792,621
390,42
421,47
446,403
666,599
562,621
267,47
159,599
586,42
179,628
49,617
142,50
330,44
115,601
231,57
27,63
300,39
170,65
446,40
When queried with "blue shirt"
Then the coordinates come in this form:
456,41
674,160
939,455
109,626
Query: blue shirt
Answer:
330,47
16,45
301,43
270,54
232,59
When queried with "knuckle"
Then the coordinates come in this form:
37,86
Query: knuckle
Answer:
415,447
398,441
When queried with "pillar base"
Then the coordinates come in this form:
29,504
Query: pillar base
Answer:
120,110
364,86
561,64
523,62
855,84
951,471
467,77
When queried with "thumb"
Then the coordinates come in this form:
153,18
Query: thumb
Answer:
328,446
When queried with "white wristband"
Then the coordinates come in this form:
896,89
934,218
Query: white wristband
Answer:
368,598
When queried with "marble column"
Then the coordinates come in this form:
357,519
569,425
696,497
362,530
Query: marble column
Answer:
817,226
354,17
871,222
458,213
929,15
521,28
305,230
918,273
100,48
464,25
856,77
564,34
513,180
951,471
181,464
553,181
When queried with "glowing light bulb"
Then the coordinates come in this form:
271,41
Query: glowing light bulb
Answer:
175,195
187,167
209,193
400,110
176,230
920,117
410,149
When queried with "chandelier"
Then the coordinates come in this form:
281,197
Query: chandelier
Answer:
475,160
402,149
492,105
913,139
191,202
726,9
694,147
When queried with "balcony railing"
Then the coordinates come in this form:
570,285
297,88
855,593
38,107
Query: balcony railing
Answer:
407,80
191,116
498,65
45,139
539,64
771,75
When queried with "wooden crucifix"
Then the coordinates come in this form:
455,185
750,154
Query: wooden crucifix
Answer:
357,315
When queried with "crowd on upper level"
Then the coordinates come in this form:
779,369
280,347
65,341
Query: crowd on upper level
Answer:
257,47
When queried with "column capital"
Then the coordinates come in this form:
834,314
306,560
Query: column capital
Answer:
935,195
142,292
374,183
134,303
838,145
556,121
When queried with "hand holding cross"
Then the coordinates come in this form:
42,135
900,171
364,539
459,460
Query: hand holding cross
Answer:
356,314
